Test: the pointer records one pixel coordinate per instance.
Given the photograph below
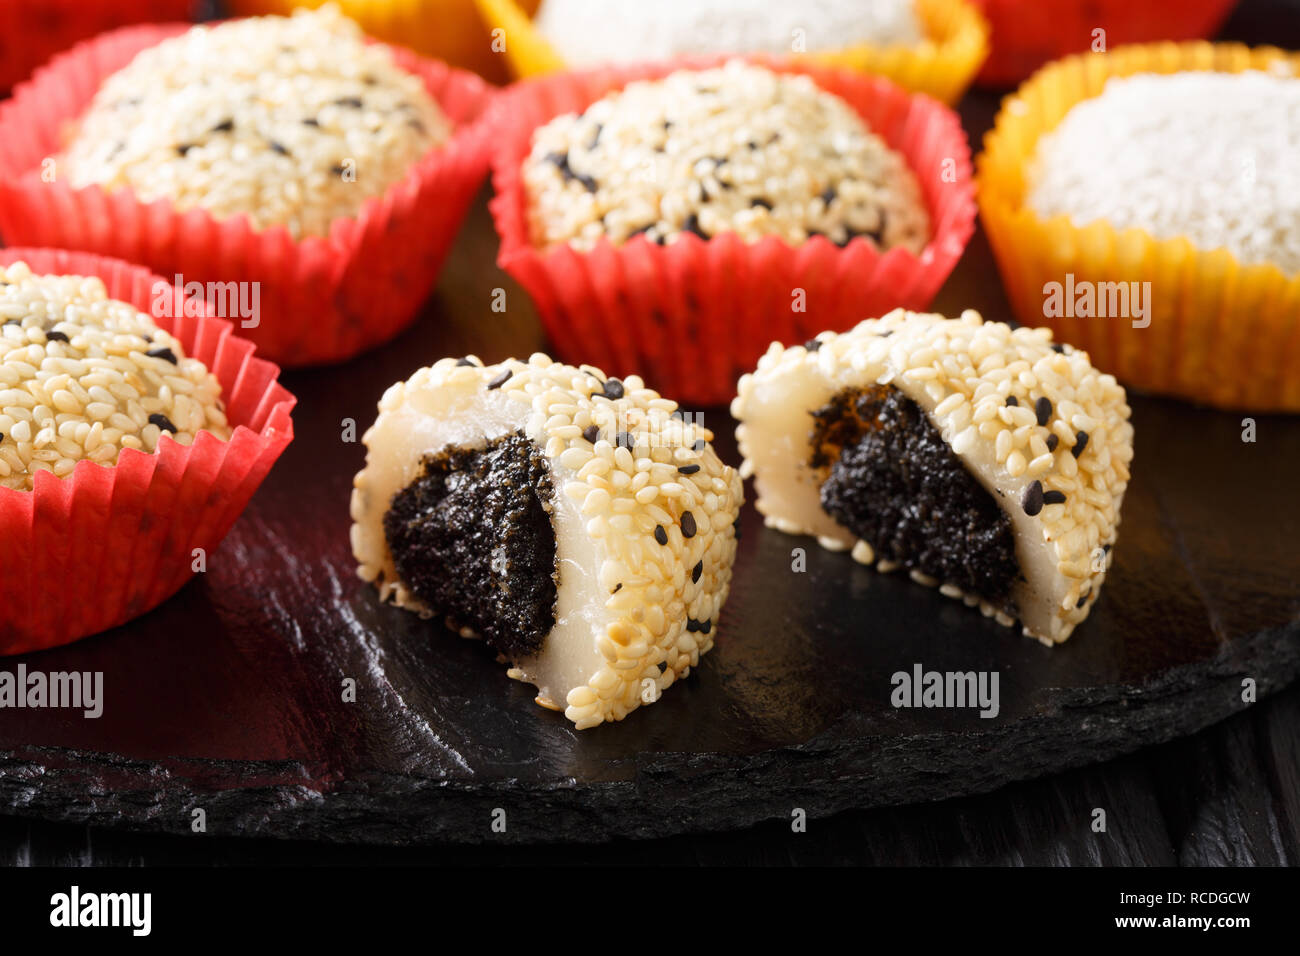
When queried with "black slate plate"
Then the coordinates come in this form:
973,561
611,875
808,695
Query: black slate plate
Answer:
228,698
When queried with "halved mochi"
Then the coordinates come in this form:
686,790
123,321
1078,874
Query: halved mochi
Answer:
581,525
987,461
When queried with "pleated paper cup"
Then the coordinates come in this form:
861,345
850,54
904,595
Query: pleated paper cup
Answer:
322,298
942,66
449,30
32,31
107,543
1220,332
693,315
1030,33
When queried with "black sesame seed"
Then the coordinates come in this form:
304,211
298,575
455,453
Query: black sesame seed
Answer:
1032,501
704,627
812,345
613,389
1012,400
760,201
1080,443
692,224
697,571
1058,347
1106,548
225,126
660,534
561,162
663,666
465,362
55,337
625,440
688,469
1053,497
692,625
828,195
591,433
353,102
1052,441
163,353
163,422
688,525
617,587
1043,409
311,121
184,148
277,148
500,380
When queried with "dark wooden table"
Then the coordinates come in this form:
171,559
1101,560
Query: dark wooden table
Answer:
1229,795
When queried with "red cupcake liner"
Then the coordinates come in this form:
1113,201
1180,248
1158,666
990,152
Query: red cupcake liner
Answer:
32,31
692,316
323,298
1028,33
105,544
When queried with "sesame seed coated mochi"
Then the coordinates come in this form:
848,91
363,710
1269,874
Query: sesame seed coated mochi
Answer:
989,462
738,148
581,525
83,376
293,121
624,31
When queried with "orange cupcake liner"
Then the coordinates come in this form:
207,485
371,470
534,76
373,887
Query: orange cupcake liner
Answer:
448,30
1030,33
1220,332
105,544
692,316
323,298
942,66
32,31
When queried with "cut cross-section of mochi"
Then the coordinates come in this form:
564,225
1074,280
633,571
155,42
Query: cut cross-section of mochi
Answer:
582,525
987,461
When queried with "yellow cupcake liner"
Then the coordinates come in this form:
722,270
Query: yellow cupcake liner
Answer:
1218,332
943,66
449,30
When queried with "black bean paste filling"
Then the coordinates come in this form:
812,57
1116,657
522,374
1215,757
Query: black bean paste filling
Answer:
472,538
895,483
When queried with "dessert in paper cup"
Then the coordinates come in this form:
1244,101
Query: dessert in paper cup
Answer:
926,46
448,30
286,152
675,218
134,429
32,32
1026,34
1143,204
